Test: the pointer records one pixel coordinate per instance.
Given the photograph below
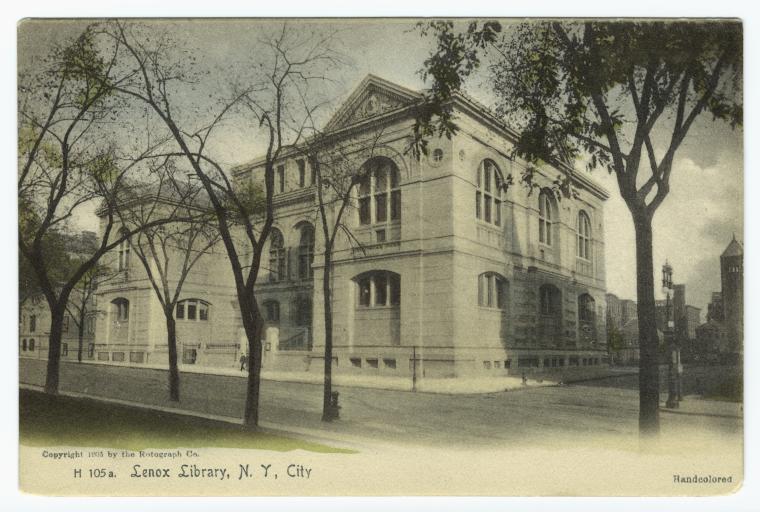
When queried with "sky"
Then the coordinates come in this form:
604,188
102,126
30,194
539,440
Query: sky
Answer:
691,229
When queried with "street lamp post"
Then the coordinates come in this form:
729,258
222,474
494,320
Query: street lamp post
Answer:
673,359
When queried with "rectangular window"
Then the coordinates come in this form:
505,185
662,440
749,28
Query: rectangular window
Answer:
102,356
180,311
390,363
541,231
64,349
507,364
380,236
117,356
497,364
497,212
301,173
490,283
364,213
486,365
90,350
381,290
136,357
396,205
31,345
372,363
381,207
281,177
477,204
203,312
487,209
32,323
191,311
313,175
356,362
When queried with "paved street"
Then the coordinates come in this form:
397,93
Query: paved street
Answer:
401,417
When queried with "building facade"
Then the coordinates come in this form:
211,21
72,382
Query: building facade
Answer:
448,271
443,268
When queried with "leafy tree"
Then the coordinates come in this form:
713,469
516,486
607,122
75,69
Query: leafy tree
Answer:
68,159
624,95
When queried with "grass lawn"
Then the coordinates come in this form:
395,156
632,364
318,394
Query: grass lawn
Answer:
64,421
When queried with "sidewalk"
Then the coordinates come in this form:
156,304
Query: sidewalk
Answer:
695,405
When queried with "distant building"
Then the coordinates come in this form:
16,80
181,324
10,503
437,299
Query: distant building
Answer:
715,307
722,336
732,291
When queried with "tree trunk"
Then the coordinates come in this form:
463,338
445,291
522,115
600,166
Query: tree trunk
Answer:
649,374
327,409
80,333
57,313
252,325
171,341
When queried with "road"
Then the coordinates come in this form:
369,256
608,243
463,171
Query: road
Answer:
521,416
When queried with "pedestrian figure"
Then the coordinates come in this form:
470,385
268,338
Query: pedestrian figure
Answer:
243,362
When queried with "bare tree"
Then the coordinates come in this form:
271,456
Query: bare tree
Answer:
169,252
81,307
338,168
289,63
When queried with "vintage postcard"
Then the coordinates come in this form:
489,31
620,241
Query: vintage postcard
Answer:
360,257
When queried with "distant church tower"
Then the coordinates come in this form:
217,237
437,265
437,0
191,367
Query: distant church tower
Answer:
732,286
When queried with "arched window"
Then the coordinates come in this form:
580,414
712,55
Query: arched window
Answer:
379,192
488,194
306,252
23,345
586,308
550,300
272,311
379,288
192,309
276,256
492,290
123,249
545,217
32,323
583,241
31,344
120,309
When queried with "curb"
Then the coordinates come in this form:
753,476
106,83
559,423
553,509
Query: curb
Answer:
708,414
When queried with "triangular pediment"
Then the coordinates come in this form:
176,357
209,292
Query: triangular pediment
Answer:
373,97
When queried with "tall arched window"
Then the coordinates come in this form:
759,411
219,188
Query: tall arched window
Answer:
123,249
545,217
276,256
586,308
379,288
192,309
550,300
306,252
120,307
488,194
583,241
379,192
492,290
